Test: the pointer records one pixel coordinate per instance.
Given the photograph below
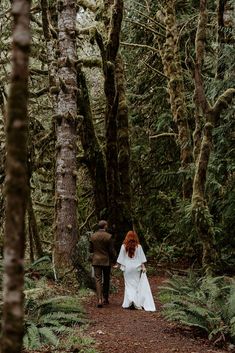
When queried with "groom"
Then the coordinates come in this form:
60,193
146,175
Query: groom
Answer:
103,256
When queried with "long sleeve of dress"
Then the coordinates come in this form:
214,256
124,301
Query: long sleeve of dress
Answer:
122,256
141,255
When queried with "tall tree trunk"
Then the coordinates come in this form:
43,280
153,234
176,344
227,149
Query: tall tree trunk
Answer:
51,50
221,38
116,122
66,230
33,229
117,151
2,160
113,27
16,183
123,149
173,71
200,211
225,23
93,154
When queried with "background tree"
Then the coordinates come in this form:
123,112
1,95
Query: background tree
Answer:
66,231
16,182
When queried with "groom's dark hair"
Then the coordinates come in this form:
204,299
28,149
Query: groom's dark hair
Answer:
102,224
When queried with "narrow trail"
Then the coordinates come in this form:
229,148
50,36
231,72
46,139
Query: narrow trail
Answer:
118,330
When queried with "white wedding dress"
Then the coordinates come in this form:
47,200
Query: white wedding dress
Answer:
137,289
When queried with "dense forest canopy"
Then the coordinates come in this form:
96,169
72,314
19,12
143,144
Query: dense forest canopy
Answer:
177,78
117,110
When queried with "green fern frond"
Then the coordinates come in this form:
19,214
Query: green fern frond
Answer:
33,335
26,341
48,335
61,304
62,318
206,303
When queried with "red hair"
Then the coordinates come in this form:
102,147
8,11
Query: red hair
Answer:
131,242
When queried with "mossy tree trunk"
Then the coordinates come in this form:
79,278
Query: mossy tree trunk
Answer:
221,37
113,27
66,230
33,229
117,150
16,183
173,71
226,36
51,46
210,114
116,121
2,159
93,154
123,150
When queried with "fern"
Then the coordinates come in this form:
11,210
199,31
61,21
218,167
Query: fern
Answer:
48,319
206,303
48,335
32,336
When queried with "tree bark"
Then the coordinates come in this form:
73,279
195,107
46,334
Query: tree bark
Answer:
221,38
33,229
113,27
66,230
173,71
123,150
116,123
93,154
16,183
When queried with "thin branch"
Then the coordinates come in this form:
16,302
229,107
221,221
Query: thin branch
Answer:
144,46
164,134
92,61
86,220
223,101
35,71
86,30
153,69
151,19
39,93
146,27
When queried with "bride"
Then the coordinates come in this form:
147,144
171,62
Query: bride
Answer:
131,260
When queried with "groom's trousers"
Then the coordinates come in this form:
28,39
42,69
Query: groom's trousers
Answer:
102,278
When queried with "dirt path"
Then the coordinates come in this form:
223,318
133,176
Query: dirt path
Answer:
118,330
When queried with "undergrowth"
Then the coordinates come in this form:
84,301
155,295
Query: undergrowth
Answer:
206,303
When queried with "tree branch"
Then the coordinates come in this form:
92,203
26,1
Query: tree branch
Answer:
135,45
88,4
92,61
223,101
39,93
164,134
146,27
200,39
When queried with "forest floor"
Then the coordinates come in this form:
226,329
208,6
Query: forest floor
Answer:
118,330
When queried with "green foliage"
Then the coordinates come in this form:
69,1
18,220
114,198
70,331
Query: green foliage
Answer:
206,303
47,320
42,267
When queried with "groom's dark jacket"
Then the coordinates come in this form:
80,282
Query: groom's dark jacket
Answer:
102,249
